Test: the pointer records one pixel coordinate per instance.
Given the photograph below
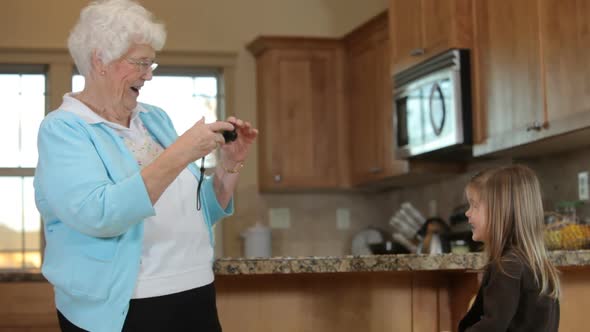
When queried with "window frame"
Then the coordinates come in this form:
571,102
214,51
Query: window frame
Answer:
23,68
59,68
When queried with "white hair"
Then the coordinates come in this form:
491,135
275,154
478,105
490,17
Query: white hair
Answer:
110,28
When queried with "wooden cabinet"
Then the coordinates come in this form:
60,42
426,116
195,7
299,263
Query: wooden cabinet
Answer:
325,113
507,71
370,108
302,143
369,97
420,29
405,20
530,82
565,47
369,102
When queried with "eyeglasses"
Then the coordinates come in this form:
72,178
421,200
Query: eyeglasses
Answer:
143,66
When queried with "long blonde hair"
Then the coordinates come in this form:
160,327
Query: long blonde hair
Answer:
514,221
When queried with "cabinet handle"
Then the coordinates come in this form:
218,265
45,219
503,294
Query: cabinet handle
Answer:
375,170
536,126
278,178
417,52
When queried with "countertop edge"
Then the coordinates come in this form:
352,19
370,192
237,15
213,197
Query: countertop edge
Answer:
346,264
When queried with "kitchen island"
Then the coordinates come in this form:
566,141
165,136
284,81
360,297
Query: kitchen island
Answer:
349,293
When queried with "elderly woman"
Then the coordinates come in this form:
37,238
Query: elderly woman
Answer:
129,246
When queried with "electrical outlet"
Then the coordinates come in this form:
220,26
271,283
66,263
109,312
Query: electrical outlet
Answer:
583,193
342,218
279,218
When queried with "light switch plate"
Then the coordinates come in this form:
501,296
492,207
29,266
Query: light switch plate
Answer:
342,218
583,193
279,218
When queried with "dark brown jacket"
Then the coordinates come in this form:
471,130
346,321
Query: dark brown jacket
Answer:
511,303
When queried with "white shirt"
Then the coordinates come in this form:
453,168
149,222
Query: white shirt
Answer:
176,253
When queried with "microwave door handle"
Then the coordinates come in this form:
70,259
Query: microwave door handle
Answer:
436,91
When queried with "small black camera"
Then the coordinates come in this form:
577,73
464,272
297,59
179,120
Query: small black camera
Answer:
230,135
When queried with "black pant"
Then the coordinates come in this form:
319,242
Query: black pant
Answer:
192,310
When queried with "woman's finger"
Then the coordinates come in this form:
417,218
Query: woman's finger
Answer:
218,138
221,126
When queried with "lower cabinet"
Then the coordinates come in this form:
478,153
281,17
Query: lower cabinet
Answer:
328,302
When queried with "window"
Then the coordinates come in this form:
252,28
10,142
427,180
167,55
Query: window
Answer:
185,94
22,108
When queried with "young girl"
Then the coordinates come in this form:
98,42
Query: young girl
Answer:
520,286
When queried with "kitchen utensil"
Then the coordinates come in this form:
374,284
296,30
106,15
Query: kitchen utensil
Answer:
412,212
405,216
388,248
411,247
365,237
434,239
402,227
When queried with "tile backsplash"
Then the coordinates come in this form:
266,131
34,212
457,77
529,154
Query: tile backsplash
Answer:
313,228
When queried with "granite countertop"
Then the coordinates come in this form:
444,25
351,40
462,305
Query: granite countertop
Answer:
343,264
376,263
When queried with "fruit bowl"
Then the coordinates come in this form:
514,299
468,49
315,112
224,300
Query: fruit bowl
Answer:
565,235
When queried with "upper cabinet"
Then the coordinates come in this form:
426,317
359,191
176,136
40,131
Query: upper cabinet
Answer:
420,29
325,114
325,105
369,103
507,71
565,47
530,83
302,143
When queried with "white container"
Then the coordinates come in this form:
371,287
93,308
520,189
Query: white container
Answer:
257,241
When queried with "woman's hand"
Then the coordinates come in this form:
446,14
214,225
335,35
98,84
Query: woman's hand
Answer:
195,143
199,140
232,155
236,152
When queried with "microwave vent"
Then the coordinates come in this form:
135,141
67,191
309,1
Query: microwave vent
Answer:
445,60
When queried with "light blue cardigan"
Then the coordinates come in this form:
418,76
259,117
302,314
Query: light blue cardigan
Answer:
90,193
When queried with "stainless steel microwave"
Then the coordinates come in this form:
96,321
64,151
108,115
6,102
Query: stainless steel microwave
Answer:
432,108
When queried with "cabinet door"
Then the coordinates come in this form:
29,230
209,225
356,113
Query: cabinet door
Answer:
405,31
436,22
370,102
421,29
301,120
566,53
384,120
364,113
507,71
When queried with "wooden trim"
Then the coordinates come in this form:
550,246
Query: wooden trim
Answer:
263,43
198,59
34,56
17,171
377,23
479,115
61,68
